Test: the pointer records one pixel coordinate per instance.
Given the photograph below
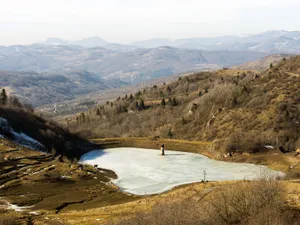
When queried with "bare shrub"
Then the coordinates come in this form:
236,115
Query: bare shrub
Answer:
249,202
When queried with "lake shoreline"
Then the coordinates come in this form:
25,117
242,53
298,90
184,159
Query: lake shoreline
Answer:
144,171
274,160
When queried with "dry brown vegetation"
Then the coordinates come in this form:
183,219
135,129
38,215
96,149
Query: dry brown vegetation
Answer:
237,110
48,186
253,203
56,139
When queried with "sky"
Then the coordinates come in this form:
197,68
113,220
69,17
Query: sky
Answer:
124,21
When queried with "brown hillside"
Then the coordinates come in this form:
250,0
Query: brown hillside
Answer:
237,110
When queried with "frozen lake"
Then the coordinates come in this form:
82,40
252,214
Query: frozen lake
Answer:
145,171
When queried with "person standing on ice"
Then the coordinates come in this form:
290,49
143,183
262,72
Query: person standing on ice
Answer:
162,148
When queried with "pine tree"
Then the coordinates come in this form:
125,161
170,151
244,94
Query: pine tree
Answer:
131,98
82,116
174,102
163,102
168,90
200,93
170,101
142,104
161,94
3,97
170,134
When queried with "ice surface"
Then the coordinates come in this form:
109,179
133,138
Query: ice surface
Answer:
145,171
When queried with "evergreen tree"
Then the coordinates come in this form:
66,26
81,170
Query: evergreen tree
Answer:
3,97
271,65
168,90
169,101
170,134
174,102
131,98
200,93
142,104
138,94
82,117
161,94
163,102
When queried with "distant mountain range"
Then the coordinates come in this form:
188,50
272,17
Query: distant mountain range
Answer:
70,69
277,41
270,41
131,67
91,42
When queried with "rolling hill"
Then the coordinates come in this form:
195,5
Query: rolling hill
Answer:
64,72
237,110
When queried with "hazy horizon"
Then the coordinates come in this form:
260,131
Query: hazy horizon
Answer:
31,21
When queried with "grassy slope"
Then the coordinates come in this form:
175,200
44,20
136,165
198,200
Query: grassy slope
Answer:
235,110
34,178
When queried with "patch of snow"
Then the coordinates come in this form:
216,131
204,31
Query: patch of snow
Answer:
19,138
269,147
145,171
14,207
18,208
26,141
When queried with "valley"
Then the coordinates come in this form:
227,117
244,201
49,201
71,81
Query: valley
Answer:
87,151
54,190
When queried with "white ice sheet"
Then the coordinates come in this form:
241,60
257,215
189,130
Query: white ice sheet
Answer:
145,171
